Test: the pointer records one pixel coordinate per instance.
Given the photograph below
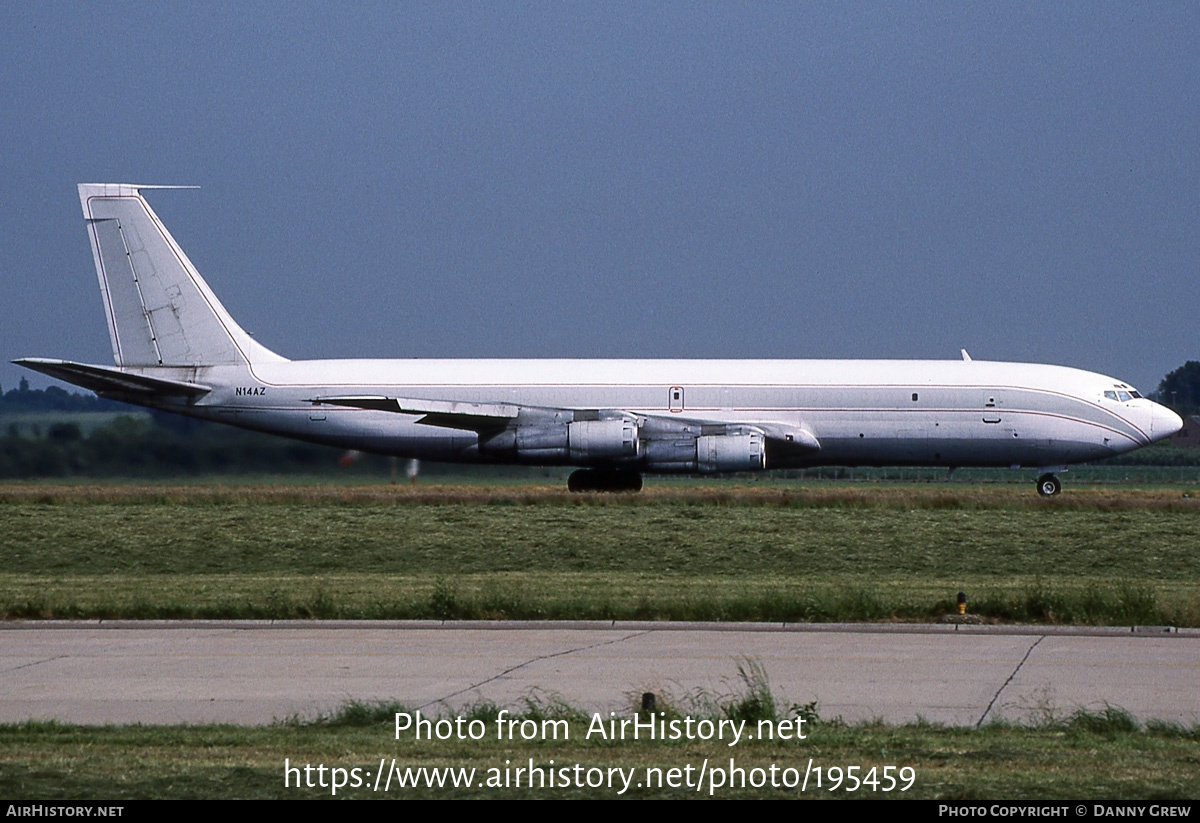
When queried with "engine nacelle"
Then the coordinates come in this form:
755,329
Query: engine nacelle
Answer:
583,441
731,453
603,440
707,453
674,455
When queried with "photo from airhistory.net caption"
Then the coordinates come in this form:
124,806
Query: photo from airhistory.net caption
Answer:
704,777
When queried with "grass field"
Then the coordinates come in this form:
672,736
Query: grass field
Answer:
680,551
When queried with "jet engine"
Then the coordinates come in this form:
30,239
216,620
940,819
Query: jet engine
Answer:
707,453
579,442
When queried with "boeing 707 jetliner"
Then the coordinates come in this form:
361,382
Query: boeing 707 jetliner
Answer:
176,348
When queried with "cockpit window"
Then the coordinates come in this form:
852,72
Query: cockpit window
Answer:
1134,393
1111,395
1124,395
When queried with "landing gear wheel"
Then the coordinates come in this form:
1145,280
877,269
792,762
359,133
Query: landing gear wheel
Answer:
1048,485
604,480
581,481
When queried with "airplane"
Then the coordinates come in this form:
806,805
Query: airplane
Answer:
177,349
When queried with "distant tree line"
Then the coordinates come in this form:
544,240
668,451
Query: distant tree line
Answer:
140,446
1181,389
135,442
53,398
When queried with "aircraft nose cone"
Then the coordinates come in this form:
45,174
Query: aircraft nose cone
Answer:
1164,422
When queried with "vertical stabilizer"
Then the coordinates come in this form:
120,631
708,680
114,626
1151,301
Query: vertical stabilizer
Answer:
160,311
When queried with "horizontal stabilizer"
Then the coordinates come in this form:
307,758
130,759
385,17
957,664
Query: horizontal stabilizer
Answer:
443,413
108,381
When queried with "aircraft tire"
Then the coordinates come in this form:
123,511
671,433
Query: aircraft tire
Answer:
630,481
1048,485
599,480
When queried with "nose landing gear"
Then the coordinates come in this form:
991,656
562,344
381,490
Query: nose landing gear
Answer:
1048,485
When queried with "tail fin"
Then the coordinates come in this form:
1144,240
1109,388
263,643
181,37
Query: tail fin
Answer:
160,311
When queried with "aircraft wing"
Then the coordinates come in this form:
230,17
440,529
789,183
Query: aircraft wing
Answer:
108,381
491,417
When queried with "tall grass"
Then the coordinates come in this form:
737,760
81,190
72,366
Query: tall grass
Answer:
785,554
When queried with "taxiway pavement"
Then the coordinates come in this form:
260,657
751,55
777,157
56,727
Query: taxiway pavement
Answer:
254,673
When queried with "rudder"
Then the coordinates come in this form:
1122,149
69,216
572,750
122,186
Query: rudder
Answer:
160,311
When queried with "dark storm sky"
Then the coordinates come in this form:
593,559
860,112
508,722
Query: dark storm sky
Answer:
623,180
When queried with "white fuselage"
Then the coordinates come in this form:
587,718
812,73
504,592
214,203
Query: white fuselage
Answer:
882,412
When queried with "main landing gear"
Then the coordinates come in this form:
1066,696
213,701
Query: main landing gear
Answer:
1048,485
604,480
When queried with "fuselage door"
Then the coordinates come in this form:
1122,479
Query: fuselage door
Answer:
991,409
676,398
